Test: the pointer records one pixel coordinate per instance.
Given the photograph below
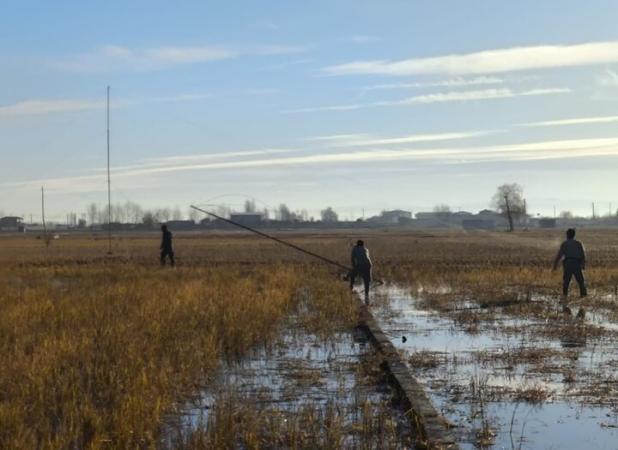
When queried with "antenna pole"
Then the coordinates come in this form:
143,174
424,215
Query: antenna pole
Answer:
43,210
109,186
593,216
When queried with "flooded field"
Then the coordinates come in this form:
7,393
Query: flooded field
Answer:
303,391
247,345
524,375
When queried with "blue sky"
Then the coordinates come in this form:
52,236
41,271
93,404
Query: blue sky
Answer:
350,104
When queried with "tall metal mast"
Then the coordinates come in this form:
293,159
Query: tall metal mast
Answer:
43,210
109,186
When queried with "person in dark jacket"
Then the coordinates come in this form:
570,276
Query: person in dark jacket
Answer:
573,258
361,266
166,246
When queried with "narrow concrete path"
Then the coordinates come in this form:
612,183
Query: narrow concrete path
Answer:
431,426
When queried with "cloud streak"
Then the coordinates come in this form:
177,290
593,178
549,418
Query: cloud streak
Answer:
530,151
364,140
487,61
42,107
37,107
114,57
453,82
574,121
440,97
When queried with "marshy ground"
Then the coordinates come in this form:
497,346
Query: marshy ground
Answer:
246,344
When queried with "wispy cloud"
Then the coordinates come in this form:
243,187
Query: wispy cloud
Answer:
453,82
608,79
114,57
573,121
365,140
286,64
529,151
362,39
488,61
111,57
440,97
38,107
261,91
214,156
276,49
182,98
487,94
34,107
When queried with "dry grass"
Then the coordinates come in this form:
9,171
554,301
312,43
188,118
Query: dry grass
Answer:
96,354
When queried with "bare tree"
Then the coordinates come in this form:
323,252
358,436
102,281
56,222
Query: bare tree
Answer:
284,214
442,210
329,215
250,206
134,212
177,214
566,215
162,214
118,214
92,212
148,218
194,215
509,201
223,210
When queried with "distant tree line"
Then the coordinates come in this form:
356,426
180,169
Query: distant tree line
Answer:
508,200
131,212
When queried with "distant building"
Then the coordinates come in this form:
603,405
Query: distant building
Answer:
12,223
489,213
478,224
247,219
434,219
180,225
395,216
547,222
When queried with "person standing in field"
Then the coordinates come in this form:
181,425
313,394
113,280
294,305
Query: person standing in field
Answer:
361,266
166,246
573,258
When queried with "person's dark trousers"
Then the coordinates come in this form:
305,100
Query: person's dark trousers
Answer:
365,273
573,268
167,252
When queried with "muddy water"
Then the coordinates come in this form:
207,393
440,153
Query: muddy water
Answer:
303,370
564,400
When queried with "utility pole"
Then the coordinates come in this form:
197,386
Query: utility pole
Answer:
109,187
508,212
593,215
554,211
47,239
43,210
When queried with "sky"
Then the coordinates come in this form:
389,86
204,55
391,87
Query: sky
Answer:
358,105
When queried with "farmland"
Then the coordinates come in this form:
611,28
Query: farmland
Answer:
248,344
